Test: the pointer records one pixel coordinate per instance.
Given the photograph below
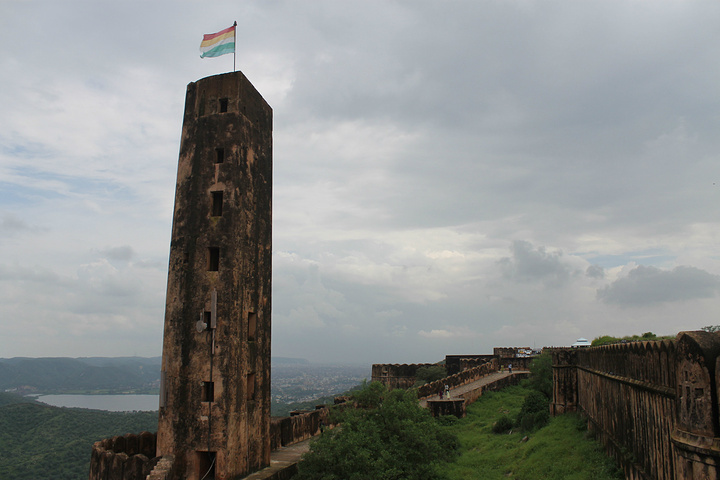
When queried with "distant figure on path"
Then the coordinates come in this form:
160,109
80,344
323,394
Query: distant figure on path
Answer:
510,368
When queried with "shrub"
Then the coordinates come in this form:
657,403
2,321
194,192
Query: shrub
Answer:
503,424
390,437
534,413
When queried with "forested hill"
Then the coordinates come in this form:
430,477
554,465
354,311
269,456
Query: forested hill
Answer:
90,374
40,441
80,375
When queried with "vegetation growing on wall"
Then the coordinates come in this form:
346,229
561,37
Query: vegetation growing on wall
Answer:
645,337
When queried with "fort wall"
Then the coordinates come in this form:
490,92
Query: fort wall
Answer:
459,379
132,456
127,457
285,431
397,375
652,404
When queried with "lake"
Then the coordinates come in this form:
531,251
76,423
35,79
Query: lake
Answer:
111,403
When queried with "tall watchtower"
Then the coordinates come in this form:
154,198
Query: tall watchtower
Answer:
215,393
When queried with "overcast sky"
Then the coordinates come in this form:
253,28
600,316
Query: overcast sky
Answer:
449,176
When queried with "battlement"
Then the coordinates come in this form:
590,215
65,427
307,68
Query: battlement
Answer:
397,375
653,404
130,457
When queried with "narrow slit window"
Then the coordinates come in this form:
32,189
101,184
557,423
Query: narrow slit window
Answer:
207,320
251,386
208,392
217,204
213,259
219,155
223,105
252,326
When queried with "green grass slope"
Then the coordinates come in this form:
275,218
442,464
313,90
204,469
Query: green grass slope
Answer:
560,450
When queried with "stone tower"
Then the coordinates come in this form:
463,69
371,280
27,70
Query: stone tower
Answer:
215,392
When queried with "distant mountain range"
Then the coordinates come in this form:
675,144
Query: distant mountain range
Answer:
89,374
80,375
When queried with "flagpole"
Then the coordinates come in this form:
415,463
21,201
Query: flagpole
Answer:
235,43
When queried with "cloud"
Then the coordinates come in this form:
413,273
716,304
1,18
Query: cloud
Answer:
479,173
12,225
529,264
448,333
647,285
124,253
595,271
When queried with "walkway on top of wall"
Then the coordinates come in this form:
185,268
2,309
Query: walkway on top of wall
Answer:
283,462
458,392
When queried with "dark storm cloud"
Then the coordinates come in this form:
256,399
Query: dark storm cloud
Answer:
650,285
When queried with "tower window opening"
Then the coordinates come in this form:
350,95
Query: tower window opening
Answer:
207,319
251,386
252,326
213,259
217,204
219,155
208,392
206,465
223,105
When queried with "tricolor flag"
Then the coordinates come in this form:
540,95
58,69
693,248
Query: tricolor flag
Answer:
220,43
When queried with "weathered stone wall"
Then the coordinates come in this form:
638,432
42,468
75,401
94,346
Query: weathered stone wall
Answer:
457,363
397,375
499,384
285,431
462,378
128,457
653,404
215,385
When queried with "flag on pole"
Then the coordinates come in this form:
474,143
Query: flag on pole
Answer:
220,43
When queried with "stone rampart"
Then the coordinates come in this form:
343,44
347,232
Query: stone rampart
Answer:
285,431
459,379
397,375
457,363
127,457
653,404
472,396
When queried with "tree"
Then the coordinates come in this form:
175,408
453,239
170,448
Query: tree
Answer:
392,438
534,412
541,374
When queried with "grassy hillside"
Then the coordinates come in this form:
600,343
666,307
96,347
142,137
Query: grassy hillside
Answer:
51,443
560,450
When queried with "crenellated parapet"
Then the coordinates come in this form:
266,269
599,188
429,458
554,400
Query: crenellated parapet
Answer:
397,375
653,404
286,431
129,457
459,379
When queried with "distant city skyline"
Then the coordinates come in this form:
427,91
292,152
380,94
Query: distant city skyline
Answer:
447,177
